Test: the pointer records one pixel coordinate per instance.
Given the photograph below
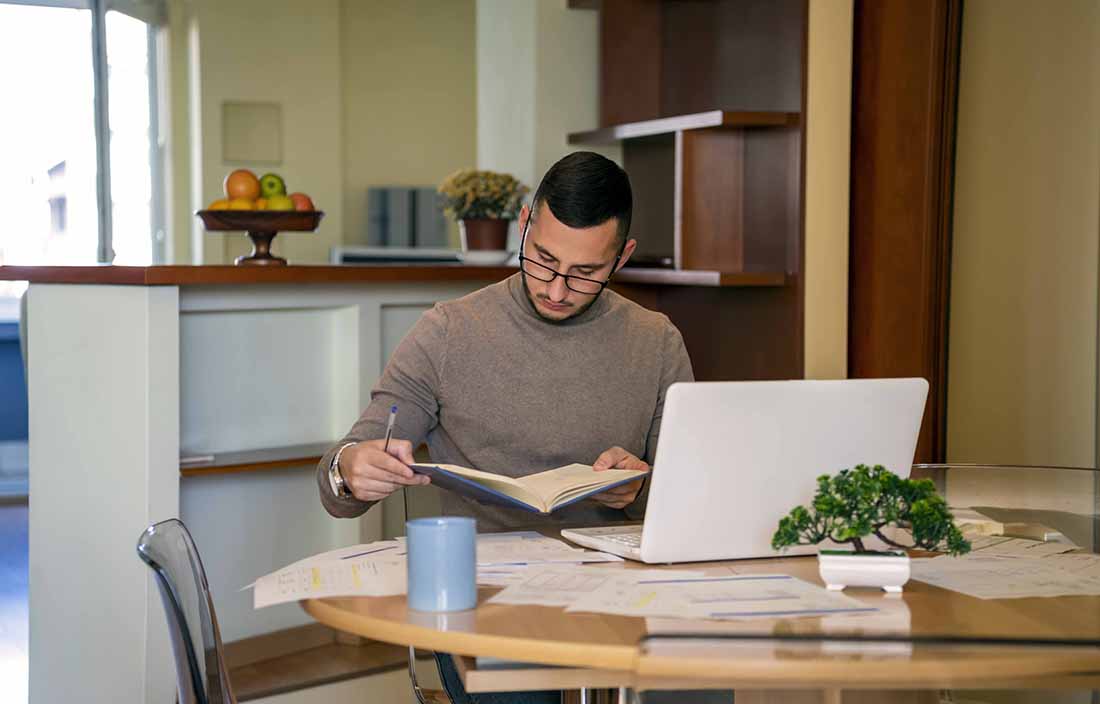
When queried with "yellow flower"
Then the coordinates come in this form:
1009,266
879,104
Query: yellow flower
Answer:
470,193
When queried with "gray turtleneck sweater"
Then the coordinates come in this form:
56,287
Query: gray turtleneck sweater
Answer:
489,384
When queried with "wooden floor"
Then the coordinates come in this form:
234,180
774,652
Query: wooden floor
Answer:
13,602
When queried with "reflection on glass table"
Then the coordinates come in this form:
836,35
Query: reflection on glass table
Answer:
937,634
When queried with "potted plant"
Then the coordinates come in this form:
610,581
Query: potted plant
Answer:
483,202
861,502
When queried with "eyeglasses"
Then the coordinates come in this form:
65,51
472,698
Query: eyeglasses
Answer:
577,284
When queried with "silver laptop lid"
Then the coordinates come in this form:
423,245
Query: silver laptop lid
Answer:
734,457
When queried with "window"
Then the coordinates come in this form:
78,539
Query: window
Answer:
81,150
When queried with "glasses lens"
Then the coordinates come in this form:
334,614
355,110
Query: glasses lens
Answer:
536,270
585,286
545,273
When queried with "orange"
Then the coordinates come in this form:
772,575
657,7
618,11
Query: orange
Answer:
261,203
242,183
220,204
242,204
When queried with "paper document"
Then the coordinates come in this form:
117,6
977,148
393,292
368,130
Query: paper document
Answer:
1016,547
972,522
531,548
361,576
501,575
992,576
674,593
716,597
1079,563
561,585
380,548
379,568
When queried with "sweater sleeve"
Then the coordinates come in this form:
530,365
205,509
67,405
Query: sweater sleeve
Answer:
411,381
676,367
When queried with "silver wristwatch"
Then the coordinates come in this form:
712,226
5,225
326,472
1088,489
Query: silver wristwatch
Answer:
335,479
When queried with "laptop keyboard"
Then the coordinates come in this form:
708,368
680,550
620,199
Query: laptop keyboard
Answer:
633,540
625,541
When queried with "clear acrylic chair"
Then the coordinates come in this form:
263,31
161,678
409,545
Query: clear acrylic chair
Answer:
201,676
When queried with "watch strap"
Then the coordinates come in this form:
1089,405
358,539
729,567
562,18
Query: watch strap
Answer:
335,479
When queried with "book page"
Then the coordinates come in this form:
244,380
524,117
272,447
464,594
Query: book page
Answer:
498,482
557,486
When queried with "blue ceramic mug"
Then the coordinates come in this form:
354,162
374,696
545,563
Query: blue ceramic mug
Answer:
442,563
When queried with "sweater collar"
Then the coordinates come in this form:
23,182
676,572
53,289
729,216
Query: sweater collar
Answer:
519,295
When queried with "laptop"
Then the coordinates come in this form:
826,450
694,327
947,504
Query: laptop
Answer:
735,457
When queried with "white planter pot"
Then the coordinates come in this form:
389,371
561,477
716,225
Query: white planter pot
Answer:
840,569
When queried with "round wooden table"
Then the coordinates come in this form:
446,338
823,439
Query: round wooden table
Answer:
918,639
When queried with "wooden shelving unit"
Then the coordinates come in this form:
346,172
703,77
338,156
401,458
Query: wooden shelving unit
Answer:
707,100
255,460
670,125
681,277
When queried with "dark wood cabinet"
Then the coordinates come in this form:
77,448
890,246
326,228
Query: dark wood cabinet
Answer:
905,84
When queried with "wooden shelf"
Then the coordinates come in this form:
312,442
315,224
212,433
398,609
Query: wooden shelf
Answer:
685,277
256,460
697,121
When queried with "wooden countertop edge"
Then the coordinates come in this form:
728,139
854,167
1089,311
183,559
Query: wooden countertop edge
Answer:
763,671
220,275
603,657
971,670
350,274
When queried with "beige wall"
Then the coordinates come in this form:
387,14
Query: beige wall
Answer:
828,134
567,82
1024,280
1022,381
372,93
538,80
286,52
506,87
409,97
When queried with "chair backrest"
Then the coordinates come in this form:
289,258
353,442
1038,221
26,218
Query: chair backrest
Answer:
170,552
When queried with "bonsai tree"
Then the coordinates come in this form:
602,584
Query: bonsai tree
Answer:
860,502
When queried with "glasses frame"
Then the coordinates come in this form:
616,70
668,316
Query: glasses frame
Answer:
565,277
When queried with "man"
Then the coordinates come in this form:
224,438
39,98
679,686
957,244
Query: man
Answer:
543,369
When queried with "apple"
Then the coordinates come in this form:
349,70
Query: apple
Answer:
278,202
272,185
301,201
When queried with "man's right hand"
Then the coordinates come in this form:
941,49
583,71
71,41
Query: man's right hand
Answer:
372,474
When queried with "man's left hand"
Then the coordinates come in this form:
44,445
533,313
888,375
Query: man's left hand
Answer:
624,494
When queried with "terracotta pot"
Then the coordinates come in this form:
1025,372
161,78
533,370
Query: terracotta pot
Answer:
483,233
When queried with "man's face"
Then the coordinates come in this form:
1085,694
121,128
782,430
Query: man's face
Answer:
585,252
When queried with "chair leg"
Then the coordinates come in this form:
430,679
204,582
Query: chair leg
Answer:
425,696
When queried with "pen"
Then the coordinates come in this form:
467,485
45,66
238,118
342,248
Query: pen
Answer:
389,427
386,447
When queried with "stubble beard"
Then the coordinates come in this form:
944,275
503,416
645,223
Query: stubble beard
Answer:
555,321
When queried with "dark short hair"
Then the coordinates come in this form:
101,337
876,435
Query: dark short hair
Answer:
586,189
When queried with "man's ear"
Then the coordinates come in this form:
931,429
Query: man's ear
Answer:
524,213
631,245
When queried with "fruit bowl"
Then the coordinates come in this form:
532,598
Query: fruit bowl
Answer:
261,226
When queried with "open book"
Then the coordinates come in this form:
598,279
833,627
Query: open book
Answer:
544,492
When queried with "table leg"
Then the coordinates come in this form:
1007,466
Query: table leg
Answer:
593,696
